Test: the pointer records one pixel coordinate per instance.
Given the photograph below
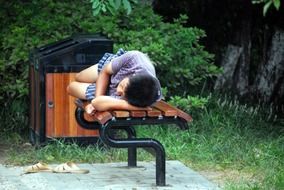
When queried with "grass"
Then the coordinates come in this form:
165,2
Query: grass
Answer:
241,144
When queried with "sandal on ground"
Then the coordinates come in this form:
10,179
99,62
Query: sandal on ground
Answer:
39,167
69,167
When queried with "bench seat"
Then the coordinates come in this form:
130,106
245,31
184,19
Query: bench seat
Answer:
161,113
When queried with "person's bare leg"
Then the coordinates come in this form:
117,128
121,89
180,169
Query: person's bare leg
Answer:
88,75
78,89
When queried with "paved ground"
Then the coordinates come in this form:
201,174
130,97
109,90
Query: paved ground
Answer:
110,176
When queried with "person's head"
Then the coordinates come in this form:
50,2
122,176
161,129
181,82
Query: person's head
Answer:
139,90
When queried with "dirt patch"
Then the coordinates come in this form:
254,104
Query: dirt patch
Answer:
3,152
6,149
226,176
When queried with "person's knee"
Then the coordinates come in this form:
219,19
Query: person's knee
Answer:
70,87
77,77
88,75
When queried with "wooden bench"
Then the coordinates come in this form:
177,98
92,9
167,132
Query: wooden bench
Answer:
162,113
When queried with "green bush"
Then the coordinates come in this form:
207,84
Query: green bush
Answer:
14,118
180,60
190,104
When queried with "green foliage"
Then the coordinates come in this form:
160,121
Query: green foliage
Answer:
180,59
190,104
112,6
268,4
29,25
14,119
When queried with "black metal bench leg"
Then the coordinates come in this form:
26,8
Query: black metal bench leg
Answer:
139,142
160,164
132,151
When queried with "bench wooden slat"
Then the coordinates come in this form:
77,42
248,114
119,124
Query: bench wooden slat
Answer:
158,109
101,117
184,115
154,113
138,113
120,113
180,113
166,109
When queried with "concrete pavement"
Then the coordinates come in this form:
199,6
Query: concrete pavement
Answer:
107,176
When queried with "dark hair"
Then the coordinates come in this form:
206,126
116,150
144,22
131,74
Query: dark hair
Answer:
142,90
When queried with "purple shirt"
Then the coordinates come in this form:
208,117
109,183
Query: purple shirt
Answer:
129,64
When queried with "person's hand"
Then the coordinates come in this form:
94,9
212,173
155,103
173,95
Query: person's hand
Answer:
90,109
148,108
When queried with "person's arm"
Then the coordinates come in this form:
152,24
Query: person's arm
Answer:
104,103
103,80
111,68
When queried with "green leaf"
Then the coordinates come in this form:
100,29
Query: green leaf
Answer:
111,7
97,10
112,4
95,4
126,6
117,4
104,8
277,4
134,1
257,1
266,7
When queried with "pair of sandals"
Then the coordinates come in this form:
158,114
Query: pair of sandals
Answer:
68,167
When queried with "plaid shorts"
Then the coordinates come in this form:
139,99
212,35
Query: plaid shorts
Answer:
91,89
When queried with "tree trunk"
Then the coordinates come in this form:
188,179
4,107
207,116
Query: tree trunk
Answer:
270,78
242,72
268,85
236,64
229,64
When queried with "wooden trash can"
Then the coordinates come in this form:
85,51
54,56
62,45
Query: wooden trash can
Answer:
52,68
